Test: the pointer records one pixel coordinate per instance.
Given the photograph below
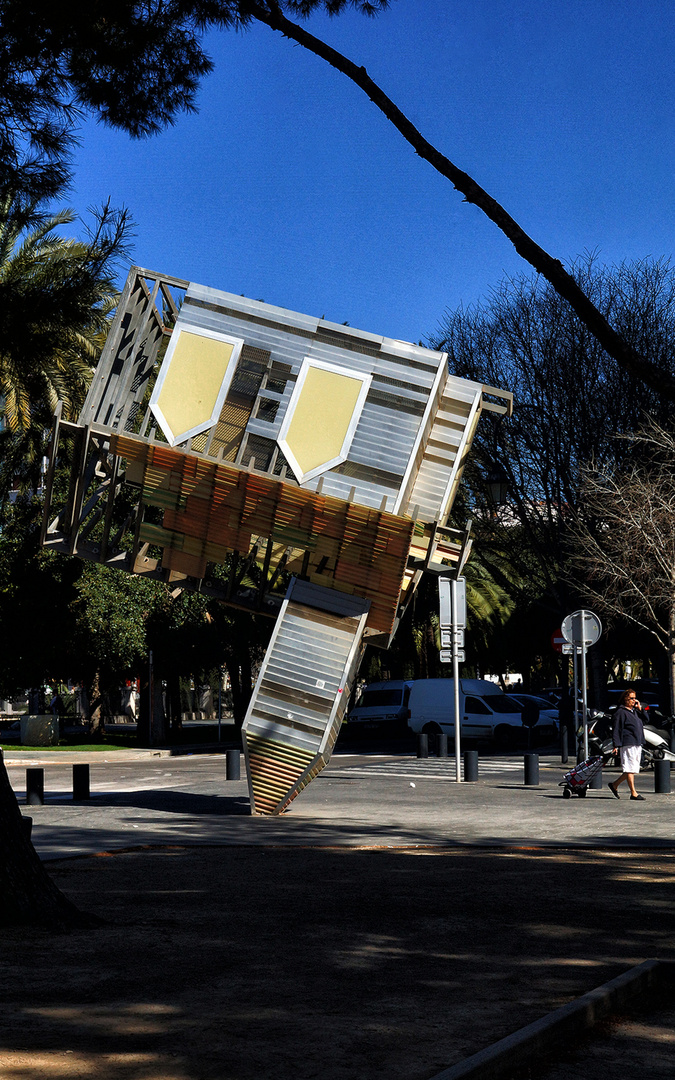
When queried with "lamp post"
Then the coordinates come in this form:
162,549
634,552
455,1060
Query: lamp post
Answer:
497,485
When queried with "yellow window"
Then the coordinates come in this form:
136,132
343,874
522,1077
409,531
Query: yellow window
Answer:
193,382
321,418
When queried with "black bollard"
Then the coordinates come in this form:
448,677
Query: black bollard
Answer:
470,765
422,745
35,787
596,782
532,769
232,765
662,777
26,826
442,745
81,783
564,752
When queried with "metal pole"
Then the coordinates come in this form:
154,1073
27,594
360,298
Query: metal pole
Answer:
662,777
150,718
220,699
576,699
471,765
455,679
232,764
81,789
35,787
531,769
584,693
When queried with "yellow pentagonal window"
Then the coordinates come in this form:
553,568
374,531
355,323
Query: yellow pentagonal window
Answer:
193,382
321,418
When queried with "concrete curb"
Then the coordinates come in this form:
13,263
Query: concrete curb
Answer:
556,1029
69,757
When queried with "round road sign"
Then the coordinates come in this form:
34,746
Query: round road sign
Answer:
581,628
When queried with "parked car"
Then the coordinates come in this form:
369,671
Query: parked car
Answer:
649,701
547,711
382,703
486,712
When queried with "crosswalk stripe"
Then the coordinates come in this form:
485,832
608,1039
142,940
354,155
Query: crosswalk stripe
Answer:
421,769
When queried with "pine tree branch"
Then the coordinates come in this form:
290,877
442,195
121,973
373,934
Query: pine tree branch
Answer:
552,269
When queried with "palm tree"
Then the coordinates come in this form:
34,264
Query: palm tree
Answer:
56,295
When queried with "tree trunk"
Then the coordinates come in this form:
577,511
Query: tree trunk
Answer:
241,682
27,893
552,269
174,702
151,733
671,660
96,710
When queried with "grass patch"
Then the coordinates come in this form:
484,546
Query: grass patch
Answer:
88,747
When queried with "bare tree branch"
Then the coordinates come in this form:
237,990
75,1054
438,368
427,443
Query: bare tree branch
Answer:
552,269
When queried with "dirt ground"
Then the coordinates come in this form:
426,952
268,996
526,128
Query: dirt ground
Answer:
231,963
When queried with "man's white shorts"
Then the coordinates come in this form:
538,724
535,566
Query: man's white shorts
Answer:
630,758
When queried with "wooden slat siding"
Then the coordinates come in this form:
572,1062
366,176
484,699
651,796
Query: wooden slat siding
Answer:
290,725
459,406
274,769
211,510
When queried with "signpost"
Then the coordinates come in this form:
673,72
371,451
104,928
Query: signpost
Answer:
581,629
452,622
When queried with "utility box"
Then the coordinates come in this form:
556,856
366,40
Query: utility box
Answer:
40,730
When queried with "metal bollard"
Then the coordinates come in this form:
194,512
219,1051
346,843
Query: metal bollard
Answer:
81,783
532,769
596,782
470,765
232,765
422,745
564,752
442,745
662,777
35,787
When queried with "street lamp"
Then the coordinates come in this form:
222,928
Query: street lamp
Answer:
498,484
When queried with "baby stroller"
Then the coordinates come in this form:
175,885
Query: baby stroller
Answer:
576,781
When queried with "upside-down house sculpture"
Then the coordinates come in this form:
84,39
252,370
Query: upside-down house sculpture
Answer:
312,465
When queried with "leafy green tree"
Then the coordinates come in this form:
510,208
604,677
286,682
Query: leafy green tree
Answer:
56,295
36,589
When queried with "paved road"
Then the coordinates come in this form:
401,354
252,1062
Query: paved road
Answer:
360,800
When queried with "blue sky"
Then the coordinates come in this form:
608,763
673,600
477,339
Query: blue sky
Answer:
289,186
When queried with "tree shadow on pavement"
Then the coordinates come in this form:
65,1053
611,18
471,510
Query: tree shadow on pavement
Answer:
238,962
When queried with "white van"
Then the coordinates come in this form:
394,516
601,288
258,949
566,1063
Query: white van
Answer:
485,711
382,703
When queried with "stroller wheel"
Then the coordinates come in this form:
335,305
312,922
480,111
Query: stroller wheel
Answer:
582,792
567,794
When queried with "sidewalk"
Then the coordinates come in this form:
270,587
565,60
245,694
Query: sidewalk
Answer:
359,801
392,924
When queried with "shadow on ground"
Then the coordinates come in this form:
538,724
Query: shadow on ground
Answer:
235,963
